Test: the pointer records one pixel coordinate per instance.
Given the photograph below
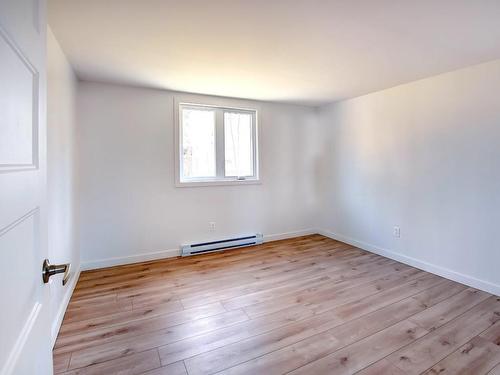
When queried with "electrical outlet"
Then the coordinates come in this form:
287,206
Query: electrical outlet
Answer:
211,226
396,232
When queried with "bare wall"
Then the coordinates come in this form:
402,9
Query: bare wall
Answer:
423,156
130,208
62,192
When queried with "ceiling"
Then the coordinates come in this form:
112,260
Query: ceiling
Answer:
301,51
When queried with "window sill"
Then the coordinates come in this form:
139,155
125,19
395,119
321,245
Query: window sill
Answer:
218,183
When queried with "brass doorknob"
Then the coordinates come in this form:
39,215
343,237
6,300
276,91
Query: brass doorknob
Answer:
53,269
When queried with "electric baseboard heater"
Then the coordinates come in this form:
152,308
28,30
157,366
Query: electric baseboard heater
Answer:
229,243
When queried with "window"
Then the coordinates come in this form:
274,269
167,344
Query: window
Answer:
238,144
217,145
198,143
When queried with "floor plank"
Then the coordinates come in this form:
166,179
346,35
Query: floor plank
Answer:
382,367
315,347
130,365
359,355
230,355
124,337
478,356
156,318
424,353
495,370
61,362
176,368
303,305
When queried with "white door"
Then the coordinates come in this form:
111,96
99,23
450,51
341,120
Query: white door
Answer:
24,319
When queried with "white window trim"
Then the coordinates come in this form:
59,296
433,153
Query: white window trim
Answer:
222,103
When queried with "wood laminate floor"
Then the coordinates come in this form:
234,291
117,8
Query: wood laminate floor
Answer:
308,305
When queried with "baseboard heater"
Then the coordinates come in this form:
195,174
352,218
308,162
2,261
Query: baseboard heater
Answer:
229,243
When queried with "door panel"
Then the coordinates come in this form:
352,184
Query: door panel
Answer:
18,107
25,296
24,314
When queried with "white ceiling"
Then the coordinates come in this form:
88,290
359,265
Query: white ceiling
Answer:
301,51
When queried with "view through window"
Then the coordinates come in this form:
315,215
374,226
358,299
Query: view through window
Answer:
217,144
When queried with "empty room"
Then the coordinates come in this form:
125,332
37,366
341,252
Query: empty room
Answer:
249,187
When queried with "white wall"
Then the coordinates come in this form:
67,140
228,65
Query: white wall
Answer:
61,175
130,207
424,156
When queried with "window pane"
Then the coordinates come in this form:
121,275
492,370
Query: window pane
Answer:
198,143
238,144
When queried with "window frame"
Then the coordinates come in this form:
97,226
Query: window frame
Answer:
220,178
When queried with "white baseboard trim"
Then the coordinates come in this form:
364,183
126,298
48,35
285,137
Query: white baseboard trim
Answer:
438,270
284,236
110,262
56,325
118,261
432,268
